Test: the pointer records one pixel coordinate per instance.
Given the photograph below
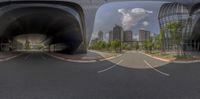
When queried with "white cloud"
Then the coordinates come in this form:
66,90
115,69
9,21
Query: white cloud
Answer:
131,17
136,37
145,23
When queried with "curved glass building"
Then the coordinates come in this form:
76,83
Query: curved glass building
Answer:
188,17
173,12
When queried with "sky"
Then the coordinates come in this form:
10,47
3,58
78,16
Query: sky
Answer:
131,15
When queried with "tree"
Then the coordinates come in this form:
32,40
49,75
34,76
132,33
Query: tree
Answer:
98,45
108,45
161,39
101,44
126,46
136,46
158,42
116,44
174,29
148,45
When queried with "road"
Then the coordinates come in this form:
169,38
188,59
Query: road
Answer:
131,76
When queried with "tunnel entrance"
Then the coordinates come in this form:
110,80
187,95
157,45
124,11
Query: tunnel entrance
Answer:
57,29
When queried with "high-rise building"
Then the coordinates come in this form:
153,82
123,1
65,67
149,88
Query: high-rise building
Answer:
118,33
100,35
144,35
110,35
128,36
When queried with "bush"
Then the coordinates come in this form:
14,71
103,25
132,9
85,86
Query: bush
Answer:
99,45
126,46
111,45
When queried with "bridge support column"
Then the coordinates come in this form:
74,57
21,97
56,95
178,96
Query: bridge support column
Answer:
1,44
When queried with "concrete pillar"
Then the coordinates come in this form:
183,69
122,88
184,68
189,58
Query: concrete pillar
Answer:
0,45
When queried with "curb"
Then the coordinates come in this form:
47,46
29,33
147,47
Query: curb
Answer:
186,62
161,59
110,58
9,58
172,61
83,61
71,60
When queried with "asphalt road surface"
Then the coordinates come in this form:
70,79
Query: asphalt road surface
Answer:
131,76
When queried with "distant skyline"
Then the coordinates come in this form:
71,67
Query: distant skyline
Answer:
131,15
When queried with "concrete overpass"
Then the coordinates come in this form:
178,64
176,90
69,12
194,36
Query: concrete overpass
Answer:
62,21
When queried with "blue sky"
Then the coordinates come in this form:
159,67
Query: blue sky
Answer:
108,15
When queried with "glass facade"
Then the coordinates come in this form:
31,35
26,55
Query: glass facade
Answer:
176,12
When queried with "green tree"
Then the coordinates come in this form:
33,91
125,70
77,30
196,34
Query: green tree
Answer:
116,44
161,39
148,45
136,46
108,45
101,45
126,46
174,29
98,45
157,43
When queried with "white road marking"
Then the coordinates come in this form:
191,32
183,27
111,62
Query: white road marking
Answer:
111,58
71,60
9,58
110,67
156,69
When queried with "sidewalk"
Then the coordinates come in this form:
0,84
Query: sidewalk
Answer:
8,55
190,60
90,56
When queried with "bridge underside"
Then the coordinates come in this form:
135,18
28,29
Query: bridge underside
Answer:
59,27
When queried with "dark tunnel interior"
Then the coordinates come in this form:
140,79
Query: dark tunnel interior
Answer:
61,29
